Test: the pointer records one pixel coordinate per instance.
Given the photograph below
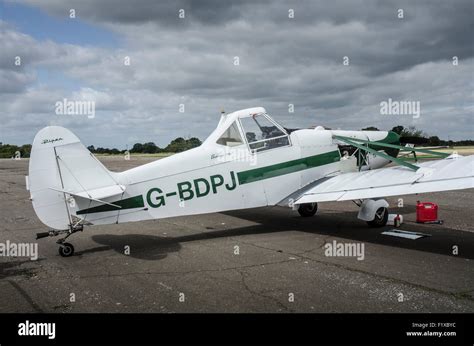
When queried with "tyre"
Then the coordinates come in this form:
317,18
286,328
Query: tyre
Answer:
66,250
308,209
381,218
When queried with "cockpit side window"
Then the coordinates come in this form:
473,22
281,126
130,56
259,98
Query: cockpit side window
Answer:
231,137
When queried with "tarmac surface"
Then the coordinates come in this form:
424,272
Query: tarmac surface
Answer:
190,264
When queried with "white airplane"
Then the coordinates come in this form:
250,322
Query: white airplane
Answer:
248,161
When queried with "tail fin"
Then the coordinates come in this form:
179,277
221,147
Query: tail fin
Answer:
61,167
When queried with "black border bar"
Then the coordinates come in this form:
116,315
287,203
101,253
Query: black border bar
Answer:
221,329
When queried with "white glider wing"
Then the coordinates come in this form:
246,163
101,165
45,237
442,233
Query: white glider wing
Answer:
452,173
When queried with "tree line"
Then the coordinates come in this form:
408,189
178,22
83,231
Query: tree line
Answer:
175,146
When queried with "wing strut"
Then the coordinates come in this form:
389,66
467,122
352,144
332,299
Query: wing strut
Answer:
365,146
387,145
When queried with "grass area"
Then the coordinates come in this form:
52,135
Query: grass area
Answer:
461,150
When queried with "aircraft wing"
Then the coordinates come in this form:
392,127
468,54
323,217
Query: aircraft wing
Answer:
452,173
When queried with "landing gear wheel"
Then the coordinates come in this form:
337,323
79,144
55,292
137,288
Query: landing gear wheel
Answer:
66,250
308,209
381,218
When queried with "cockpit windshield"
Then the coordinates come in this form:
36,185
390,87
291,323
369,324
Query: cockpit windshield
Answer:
262,133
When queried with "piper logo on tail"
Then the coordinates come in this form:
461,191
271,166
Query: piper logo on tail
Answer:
46,141
187,190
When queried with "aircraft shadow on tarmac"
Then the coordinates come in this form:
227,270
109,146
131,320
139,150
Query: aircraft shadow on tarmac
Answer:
141,246
150,247
270,220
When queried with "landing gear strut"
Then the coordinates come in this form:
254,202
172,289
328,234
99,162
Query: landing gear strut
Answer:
65,249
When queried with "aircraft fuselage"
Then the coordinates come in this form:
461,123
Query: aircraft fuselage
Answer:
213,178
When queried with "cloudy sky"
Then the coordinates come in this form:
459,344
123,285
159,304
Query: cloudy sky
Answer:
191,61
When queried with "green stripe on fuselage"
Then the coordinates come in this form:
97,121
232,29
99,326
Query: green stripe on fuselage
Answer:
287,167
244,177
128,203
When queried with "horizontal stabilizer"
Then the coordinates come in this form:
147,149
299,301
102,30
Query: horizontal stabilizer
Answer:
102,192
85,196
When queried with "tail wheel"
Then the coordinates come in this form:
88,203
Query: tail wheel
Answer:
381,218
66,250
308,209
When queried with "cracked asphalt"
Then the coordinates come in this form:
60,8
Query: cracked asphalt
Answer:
189,264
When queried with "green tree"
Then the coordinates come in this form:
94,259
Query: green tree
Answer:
8,150
137,148
150,148
412,131
25,150
176,145
193,142
398,129
434,140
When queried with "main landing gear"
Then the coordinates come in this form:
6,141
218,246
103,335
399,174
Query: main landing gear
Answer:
65,249
380,218
373,211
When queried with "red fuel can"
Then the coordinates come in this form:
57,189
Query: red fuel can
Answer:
426,211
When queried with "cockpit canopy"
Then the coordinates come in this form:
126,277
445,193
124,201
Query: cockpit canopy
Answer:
252,127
